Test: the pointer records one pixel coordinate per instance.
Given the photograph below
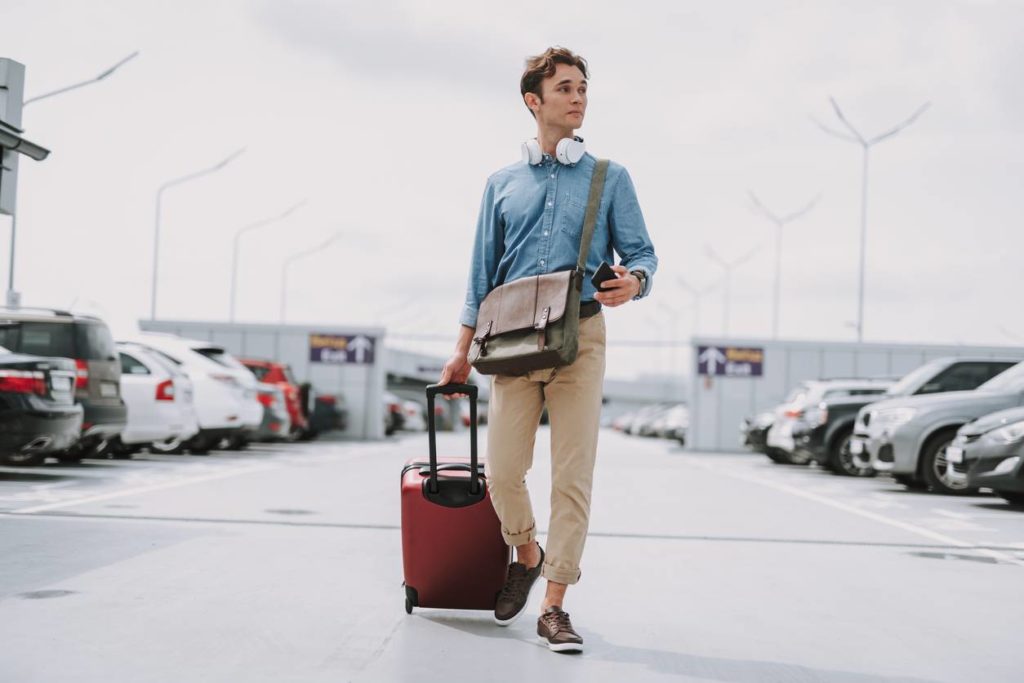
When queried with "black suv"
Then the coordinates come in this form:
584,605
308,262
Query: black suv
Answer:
87,341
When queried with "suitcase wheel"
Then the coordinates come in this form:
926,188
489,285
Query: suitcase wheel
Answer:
408,606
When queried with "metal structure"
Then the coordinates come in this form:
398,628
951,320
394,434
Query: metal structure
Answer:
866,143
728,267
156,226
780,222
294,257
697,294
234,250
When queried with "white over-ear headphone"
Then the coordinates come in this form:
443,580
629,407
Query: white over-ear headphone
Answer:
567,151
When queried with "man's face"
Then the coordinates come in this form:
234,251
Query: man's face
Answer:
565,98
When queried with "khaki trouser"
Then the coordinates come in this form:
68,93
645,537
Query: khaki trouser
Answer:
573,397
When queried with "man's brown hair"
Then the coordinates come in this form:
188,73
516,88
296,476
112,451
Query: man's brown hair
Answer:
543,65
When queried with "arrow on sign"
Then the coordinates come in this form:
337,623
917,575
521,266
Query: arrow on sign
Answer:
361,345
712,356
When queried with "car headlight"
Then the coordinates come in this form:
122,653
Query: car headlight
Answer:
894,417
1008,433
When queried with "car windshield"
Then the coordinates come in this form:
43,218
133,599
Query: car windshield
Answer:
915,378
220,357
1008,380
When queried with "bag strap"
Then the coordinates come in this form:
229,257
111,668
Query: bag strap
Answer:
590,217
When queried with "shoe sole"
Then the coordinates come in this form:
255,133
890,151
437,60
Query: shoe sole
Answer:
561,647
515,617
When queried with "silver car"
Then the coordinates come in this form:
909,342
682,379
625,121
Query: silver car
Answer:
907,437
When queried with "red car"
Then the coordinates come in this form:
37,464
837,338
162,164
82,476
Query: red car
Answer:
281,375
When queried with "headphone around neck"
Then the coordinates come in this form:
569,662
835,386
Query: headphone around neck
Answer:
568,151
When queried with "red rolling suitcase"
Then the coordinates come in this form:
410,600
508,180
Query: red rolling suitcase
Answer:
452,549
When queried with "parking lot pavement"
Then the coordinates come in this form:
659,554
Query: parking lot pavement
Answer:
284,564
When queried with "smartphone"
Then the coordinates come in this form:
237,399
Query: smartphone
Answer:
603,274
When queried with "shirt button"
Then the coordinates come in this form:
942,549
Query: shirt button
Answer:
545,233
552,175
542,262
551,203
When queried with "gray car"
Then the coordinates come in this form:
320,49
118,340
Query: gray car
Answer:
989,453
907,437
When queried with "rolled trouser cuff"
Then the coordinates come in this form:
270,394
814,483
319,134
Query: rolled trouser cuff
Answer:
560,574
520,537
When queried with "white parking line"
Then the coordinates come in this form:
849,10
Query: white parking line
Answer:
143,489
882,519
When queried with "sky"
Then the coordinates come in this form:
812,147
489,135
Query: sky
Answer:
385,119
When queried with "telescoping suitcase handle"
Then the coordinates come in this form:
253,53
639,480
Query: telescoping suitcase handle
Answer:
432,391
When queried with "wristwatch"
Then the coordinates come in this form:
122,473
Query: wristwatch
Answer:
642,277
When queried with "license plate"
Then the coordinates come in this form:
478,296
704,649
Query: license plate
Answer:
856,447
60,383
108,390
955,454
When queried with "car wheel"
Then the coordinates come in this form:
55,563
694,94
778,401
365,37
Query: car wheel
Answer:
911,482
796,457
199,445
237,442
71,458
842,461
935,470
170,446
1011,497
23,459
777,456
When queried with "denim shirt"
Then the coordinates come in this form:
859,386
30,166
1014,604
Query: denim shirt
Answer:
531,223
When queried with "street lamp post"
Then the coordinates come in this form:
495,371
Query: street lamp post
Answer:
156,225
294,257
12,296
234,250
779,222
697,294
728,267
854,136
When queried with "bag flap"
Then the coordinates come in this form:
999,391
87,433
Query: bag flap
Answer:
520,304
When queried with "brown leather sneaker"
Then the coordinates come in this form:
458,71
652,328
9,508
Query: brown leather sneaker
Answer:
555,629
516,592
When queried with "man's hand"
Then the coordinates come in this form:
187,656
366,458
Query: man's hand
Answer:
620,290
455,371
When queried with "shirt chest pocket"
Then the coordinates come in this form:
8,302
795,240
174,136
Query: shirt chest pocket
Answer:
573,210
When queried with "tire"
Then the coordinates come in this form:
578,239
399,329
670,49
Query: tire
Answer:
796,458
174,446
841,460
933,467
199,445
911,482
237,442
1011,497
23,459
70,458
776,456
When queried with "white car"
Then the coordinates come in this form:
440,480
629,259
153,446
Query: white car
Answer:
158,397
415,416
225,397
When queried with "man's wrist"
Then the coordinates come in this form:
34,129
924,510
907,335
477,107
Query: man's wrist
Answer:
641,281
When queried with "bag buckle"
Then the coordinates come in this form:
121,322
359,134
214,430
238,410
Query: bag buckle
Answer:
542,322
482,339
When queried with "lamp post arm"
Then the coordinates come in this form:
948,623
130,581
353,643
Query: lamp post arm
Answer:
75,86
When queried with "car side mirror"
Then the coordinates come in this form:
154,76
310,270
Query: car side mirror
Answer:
931,388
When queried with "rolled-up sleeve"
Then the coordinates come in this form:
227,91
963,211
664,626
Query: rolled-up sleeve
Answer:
629,232
488,247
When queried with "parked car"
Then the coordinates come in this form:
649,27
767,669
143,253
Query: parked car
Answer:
907,437
276,424
754,435
393,418
38,413
415,416
281,375
989,453
672,423
824,432
793,414
159,399
87,341
328,414
220,400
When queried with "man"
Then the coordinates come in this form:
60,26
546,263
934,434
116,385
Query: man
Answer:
530,223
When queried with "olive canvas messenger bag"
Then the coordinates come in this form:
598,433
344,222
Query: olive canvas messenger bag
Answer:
533,323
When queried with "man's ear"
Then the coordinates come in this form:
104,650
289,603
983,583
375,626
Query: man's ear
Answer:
532,101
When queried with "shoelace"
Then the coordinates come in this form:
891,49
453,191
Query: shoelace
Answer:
514,587
557,621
